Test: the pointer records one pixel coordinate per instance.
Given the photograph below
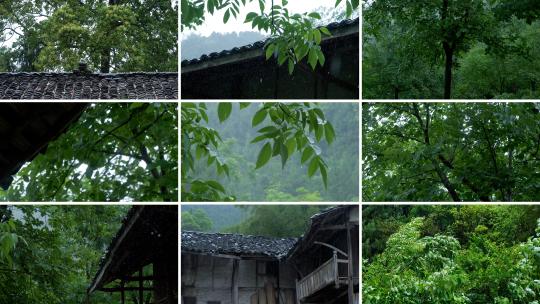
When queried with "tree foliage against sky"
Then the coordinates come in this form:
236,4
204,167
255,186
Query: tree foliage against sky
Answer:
465,49
54,252
110,35
451,254
293,37
115,152
451,151
224,160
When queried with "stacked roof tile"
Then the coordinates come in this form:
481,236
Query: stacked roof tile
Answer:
236,244
88,86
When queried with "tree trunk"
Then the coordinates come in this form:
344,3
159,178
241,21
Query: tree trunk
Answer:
449,58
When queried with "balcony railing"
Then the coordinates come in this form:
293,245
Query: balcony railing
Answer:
325,275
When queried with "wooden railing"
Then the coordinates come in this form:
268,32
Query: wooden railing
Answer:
324,275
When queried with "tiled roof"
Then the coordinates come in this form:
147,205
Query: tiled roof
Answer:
26,129
236,244
260,44
88,86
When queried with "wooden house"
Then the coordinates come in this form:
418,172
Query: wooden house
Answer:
320,267
244,73
327,258
219,268
26,130
142,258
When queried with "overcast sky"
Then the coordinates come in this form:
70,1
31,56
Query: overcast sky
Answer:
214,23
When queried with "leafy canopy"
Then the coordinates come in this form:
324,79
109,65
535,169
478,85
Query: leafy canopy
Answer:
112,35
451,151
290,128
114,152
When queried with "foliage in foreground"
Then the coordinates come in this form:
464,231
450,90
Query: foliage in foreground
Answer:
451,151
50,254
293,37
290,128
114,152
470,260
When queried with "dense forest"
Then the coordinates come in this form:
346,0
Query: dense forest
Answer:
268,162
109,35
50,254
462,49
451,151
451,254
267,220
114,152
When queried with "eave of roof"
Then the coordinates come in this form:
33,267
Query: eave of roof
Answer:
64,120
338,29
239,245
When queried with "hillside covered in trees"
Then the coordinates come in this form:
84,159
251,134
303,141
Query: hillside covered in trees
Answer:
451,254
49,254
451,152
462,49
270,152
267,220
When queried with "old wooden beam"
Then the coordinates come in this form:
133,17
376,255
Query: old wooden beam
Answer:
350,281
235,282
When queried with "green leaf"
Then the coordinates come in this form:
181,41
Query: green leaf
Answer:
264,155
244,105
259,117
284,155
329,132
322,168
315,15
349,9
313,166
259,138
338,2
261,5
216,185
308,152
268,129
270,51
317,36
291,145
250,17
291,66
226,16
312,58
325,31
224,110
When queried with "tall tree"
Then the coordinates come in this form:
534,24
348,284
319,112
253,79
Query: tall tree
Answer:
447,151
442,27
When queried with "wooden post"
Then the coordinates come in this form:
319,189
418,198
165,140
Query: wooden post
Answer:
235,282
350,271
141,286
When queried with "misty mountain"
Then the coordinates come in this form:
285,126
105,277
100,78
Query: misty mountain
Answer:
194,46
222,216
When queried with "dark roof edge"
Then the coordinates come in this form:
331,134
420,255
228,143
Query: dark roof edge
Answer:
89,74
339,29
130,219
